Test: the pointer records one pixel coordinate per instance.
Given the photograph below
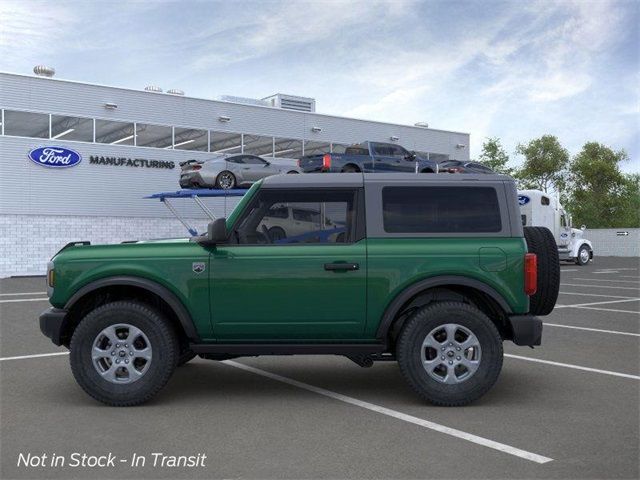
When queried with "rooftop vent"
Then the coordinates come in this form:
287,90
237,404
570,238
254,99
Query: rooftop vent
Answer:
44,71
175,91
244,100
422,124
292,102
153,88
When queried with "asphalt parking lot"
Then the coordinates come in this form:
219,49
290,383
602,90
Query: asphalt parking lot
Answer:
569,409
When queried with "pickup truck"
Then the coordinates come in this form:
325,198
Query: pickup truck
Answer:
369,157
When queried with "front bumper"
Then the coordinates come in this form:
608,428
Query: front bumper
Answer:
527,330
52,324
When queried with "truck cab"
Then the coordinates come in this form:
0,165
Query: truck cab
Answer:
540,209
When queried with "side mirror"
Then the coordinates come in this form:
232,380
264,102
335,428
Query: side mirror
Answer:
216,231
267,163
410,156
583,227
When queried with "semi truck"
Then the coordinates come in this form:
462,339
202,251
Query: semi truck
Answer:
540,209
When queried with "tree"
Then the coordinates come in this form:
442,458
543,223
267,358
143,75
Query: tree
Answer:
494,156
601,195
545,164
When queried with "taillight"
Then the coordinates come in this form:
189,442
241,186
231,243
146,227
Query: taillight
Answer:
299,163
326,161
530,273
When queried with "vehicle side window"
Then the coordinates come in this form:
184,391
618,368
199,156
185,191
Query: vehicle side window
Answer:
251,160
383,150
440,210
398,151
563,221
321,216
278,211
544,200
235,160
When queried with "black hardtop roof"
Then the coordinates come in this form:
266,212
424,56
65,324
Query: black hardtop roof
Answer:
337,180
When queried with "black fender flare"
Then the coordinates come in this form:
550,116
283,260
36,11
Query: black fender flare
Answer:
403,297
183,315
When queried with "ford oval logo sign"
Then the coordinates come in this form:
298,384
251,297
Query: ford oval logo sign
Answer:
523,199
55,157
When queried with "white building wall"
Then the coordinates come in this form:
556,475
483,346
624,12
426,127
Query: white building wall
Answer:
612,242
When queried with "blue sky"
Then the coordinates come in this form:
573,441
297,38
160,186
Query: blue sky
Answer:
515,70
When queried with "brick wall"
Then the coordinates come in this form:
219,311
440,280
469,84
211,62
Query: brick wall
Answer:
27,242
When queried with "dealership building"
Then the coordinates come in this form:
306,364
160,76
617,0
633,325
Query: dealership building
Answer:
127,144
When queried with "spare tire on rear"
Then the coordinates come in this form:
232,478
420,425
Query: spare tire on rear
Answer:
541,242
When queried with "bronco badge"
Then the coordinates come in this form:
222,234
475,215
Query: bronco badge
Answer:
198,267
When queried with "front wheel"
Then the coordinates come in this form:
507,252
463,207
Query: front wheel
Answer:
450,353
584,255
123,353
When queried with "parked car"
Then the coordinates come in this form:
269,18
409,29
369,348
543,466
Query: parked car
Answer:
437,273
285,223
460,166
229,171
369,157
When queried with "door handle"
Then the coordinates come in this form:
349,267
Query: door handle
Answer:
336,266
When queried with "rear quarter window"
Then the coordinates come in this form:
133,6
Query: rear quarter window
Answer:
441,210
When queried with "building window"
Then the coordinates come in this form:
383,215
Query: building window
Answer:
190,139
26,124
227,143
287,148
157,136
72,128
258,145
440,210
114,133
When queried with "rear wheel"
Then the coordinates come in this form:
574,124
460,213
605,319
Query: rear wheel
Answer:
225,180
123,353
450,353
584,255
277,233
541,242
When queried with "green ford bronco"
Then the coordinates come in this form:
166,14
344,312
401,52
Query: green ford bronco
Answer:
434,271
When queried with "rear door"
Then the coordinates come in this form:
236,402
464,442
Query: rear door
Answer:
307,282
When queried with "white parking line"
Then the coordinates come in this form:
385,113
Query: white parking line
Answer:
24,300
592,329
575,367
39,355
592,295
485,442
628,276
23,293
599,286
633,312
562,270
606,280
597,303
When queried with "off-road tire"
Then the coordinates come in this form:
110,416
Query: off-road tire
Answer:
541,242
410,341
161,336
579,257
